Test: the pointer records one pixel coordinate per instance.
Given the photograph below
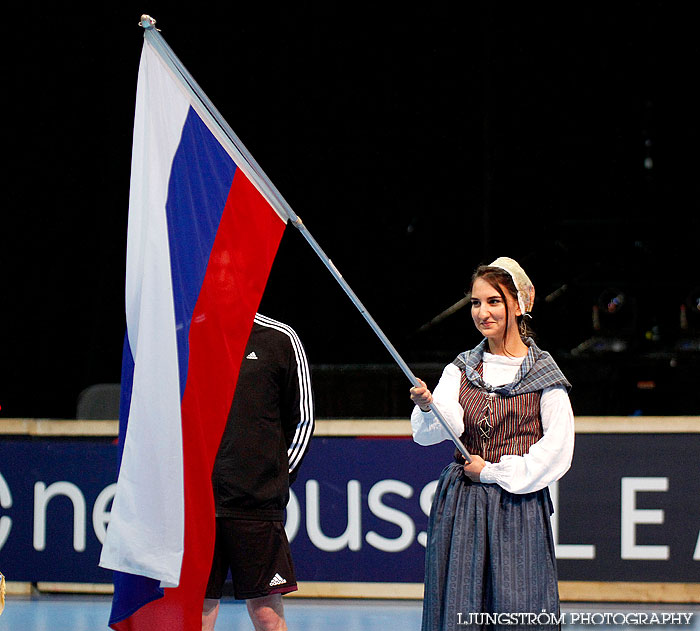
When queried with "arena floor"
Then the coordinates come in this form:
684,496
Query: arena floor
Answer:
90,613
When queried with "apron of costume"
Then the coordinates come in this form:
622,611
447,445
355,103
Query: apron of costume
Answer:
488,550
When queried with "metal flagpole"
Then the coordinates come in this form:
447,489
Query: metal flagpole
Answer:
259,179
380,334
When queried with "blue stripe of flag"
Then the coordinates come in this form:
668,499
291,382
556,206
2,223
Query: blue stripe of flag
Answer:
200,181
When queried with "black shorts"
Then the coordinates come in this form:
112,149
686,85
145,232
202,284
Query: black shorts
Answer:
258,554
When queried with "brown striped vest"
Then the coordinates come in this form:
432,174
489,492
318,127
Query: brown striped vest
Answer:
494,425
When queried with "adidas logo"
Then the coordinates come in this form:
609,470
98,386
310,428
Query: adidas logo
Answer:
277,580
251,355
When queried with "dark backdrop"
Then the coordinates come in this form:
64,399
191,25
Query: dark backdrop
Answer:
415,143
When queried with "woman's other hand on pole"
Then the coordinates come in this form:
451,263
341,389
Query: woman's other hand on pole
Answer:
421,396
473,469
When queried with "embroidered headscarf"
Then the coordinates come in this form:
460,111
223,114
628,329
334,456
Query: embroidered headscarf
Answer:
523,284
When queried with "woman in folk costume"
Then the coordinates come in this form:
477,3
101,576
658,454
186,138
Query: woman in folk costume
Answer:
490,547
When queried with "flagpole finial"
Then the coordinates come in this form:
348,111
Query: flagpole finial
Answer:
147,22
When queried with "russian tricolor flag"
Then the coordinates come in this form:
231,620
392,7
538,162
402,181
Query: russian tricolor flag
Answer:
201,242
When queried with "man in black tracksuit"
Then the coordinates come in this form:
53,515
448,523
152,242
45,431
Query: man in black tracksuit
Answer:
266,437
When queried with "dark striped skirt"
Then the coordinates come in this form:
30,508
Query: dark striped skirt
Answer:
488,551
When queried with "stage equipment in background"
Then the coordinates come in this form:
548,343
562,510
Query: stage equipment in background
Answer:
205,223
689,323
613,320
445,314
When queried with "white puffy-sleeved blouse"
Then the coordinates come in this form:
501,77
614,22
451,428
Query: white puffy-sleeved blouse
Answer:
545,462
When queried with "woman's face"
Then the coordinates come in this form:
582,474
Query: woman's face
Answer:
489,310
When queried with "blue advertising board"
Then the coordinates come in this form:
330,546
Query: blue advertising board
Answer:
363,506
55,497
626,511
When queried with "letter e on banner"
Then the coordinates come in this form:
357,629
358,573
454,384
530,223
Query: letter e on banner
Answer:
631,516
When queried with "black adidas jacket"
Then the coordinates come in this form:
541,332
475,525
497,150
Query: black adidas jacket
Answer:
269,426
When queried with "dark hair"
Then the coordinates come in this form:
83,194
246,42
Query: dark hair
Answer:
499,278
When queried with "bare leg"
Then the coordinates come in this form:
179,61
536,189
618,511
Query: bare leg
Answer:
267,613
210,610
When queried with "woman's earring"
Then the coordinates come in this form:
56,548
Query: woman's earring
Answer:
523,325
